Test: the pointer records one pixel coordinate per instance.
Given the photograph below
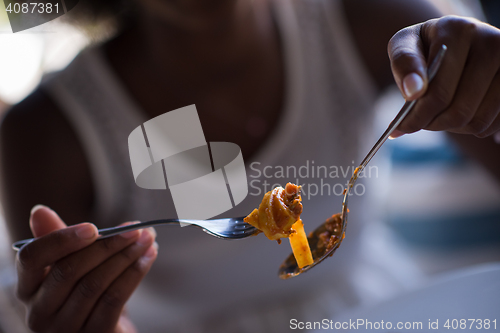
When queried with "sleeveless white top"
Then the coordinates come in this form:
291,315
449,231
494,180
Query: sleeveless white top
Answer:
200,283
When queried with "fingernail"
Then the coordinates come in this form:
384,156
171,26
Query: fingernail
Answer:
151,252
412,84
497,138
147,257
152,231
396,134
131,234
145,239
37,207
86,231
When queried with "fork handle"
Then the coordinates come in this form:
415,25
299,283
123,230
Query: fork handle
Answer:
108,232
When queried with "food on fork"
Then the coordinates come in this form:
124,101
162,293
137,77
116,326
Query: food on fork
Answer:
300,245
279,210
278,216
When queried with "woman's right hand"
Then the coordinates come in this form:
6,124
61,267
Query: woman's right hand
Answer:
72,282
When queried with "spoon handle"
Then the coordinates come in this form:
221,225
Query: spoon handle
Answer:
407,107
289,268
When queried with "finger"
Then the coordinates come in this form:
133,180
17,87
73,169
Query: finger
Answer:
44,220
487,113
467,110
110,305
90,288
33,258
493,129
441,90
65,274
125,325
408,63
488,116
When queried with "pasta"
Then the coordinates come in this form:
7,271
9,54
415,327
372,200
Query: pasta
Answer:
278,216
300,245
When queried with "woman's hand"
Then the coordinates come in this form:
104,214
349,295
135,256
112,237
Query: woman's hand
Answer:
70,282
464,97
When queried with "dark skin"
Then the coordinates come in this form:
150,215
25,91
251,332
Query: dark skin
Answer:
217,68
245,71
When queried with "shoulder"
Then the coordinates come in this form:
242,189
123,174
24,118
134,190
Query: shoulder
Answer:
33,118
42,159
36,128
373,23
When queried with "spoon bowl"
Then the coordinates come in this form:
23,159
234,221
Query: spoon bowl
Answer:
323,242
327,237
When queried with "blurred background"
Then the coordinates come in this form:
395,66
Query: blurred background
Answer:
439,208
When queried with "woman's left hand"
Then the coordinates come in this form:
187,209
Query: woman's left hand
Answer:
464,97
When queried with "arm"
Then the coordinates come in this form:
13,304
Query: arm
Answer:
373,23
42,163
486,151
463,99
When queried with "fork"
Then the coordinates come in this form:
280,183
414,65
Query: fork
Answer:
226,228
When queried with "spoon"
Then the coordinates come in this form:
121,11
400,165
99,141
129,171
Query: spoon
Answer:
328,236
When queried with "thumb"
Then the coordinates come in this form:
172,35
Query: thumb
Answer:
44,220
408,63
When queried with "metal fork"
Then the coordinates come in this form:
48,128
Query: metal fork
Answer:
227,228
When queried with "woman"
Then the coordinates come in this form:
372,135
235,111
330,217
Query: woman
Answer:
271,76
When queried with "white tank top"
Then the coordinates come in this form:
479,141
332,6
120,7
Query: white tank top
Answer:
203,284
